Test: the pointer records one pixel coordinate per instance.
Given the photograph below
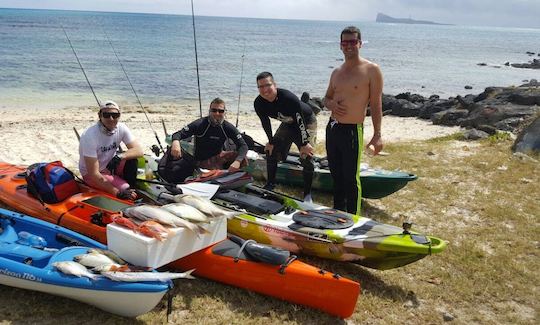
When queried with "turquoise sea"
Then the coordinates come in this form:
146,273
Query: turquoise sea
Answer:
38,68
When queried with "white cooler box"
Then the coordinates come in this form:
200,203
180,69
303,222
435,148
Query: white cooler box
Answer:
150,252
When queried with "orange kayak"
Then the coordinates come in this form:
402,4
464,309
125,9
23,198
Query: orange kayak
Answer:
90,211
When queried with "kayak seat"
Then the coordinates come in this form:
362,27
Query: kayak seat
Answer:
233,180
250,203
252,251
321,219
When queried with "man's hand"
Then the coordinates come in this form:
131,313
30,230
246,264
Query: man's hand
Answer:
127,194
268,148
336,107
376,142
113,164
234,167
306,151
176,151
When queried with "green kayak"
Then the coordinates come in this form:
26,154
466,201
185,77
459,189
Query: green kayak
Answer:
281,221
376,183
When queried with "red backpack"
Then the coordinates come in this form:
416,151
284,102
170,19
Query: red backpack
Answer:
50,182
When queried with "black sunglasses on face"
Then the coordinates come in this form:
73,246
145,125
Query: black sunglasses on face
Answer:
217,110
109,115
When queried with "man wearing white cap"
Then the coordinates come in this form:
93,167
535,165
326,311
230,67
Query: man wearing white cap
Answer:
99,163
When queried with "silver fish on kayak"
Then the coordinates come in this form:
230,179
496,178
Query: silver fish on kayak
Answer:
93,260
107,253
147,276
151,212
205,205
185,211
74,268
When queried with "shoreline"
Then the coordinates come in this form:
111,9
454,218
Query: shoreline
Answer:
38,135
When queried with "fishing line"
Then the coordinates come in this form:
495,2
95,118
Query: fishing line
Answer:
132,88
240,90
80,65
196,58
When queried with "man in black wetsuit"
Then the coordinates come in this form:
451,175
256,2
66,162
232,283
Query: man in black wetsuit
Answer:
298,125
210,133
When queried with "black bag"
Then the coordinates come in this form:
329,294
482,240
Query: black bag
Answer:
173,170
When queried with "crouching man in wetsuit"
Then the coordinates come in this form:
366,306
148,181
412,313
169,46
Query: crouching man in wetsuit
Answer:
298,125
353,86
210,134
99,163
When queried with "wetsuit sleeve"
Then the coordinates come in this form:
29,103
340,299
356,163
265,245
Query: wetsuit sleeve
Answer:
241,145
265,121
186,131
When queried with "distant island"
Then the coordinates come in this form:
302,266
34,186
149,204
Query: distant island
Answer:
382,18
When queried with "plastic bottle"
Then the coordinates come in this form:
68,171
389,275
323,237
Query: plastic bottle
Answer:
149,174
26,238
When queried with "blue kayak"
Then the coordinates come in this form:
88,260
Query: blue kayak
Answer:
28,249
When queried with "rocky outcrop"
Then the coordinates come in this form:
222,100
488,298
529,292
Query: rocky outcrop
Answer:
382,18
534,64
496,108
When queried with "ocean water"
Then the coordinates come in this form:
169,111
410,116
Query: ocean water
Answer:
38,67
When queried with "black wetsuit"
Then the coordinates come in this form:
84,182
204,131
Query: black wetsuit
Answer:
344,143
294,115
209,140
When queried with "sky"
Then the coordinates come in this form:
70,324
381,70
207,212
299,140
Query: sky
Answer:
502,13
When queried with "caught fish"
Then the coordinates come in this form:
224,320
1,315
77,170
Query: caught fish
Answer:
205,205
153,229
120,268
152,212
74,268
185,211
125,222
93,260
147,276
107,253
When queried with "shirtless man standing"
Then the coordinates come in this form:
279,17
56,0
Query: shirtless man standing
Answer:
353,86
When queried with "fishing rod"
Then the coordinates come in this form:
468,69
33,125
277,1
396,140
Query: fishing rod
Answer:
80,65
240,90
196,58
132,88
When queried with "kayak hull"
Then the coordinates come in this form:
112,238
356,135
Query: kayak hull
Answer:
299,283
365,242
376,183
31,268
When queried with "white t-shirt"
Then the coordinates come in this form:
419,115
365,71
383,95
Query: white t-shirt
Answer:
96,144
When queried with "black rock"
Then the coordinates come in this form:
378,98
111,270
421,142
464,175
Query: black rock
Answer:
529,139
449,117
474,134
491,130
468,87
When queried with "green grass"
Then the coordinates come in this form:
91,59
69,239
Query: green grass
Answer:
476,195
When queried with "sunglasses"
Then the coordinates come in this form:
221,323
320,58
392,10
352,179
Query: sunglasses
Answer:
217,110
350,42
264,86
109,115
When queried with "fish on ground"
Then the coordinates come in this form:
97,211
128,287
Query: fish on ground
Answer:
74,268
147,276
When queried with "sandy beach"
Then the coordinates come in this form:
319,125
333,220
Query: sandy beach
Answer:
32,135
